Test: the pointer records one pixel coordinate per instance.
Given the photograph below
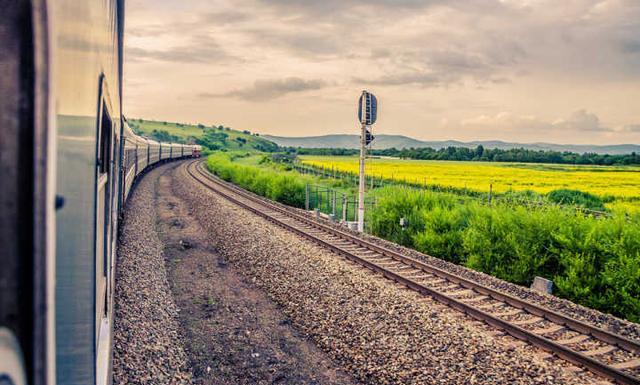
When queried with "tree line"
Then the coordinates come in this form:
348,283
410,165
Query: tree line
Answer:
483,154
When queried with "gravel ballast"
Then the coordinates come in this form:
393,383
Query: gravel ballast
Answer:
379,332
234,334
594,317
183,315
147,344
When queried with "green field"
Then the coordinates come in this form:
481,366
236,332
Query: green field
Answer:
618,186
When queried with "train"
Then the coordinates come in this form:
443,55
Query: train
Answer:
68,162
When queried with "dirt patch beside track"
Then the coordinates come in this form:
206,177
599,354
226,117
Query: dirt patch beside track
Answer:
234,333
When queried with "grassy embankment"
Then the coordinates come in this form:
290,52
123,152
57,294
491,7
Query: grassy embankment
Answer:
257,173
210,137
595,262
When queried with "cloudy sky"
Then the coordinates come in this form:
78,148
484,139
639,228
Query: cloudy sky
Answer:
563,71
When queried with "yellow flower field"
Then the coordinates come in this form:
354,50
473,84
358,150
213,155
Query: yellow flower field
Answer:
620,182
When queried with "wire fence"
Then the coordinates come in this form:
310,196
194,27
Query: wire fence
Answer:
339,205
373,181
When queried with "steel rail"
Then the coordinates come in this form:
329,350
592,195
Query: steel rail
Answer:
512,329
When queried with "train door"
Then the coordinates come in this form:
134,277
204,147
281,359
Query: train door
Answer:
103,224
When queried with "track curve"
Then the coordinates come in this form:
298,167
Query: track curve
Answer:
600,351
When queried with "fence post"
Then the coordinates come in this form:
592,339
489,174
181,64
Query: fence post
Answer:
306,197
356,202
344,208
328,199
333,203
490,192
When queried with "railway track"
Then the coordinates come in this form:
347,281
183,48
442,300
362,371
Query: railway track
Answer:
597,350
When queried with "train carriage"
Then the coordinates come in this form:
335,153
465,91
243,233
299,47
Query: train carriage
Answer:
154,152
195,151
129,164
165,151
142,154
176,151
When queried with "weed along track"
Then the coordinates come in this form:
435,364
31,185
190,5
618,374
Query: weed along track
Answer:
600,351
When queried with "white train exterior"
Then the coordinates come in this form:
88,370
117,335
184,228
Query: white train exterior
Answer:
68,161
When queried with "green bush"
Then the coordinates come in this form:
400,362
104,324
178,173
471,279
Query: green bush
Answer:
398,202
576,198
287,188
443,233
514,244
592,261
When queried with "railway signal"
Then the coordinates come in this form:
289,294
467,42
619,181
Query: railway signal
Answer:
367,114
369,137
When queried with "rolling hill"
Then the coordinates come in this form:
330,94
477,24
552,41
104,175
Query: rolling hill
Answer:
211,137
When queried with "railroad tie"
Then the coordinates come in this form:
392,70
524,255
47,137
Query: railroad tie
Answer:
479,298
388,264
548,330
489,305
627,364
418,275
435,281
509,312
459,293
602,350
450,287
527,321
573,340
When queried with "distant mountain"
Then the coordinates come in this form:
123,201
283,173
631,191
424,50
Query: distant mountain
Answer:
400,141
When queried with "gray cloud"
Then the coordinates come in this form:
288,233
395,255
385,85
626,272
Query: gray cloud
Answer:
436,68
271,89
341,8
299,42
632,46
200,50
226,17
579,121
422,78
631,128
583,121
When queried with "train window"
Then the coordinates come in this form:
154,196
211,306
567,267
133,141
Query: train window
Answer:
104,149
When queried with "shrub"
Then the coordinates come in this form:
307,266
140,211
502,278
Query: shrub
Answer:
165,136
594,262
514,244
284,187
443,233
576,198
